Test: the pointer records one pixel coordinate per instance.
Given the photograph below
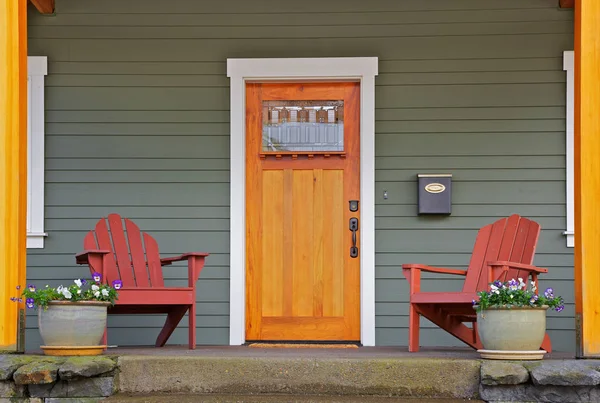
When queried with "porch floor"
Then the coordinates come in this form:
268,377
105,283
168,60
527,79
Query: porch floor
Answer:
252,352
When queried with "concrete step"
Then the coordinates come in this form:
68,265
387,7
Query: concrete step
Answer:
433,378
123,398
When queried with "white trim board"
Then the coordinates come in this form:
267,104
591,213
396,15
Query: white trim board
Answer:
363,69
569,67
37,68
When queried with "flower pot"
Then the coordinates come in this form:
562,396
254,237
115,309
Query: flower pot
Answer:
73,328
512,333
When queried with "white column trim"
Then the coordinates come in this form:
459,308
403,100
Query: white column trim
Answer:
569,67
239,71
37,68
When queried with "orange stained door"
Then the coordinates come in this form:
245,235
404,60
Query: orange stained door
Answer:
302,171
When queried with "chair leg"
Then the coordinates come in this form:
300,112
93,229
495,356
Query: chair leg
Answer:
192,326
547,344
173,319
413,329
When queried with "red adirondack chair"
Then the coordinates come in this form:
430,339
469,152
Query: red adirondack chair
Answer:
138,265
503,250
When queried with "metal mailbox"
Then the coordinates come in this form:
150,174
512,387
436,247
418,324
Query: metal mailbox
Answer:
435,193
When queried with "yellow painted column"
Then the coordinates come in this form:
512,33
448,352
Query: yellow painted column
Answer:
587,176
13,164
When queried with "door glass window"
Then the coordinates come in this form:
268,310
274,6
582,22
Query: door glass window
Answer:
303,126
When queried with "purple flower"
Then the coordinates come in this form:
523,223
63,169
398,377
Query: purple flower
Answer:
533,299
474,302
29,302
13,299
31,287
498,283
20,300
117,284
559,308
97,277
549,293
18,287
83,281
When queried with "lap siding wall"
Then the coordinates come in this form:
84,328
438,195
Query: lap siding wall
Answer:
137,122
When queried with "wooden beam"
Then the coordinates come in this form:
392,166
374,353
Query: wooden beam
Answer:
587,176
13,164
566,3
44,6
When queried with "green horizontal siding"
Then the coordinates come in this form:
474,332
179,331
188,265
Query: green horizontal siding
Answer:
137,111
384,79
307,7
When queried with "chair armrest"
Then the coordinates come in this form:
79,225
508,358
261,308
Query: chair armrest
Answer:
195,264
431,269
168,260
520,266
85,256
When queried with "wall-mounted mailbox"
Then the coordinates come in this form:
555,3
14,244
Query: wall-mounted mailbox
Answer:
435,193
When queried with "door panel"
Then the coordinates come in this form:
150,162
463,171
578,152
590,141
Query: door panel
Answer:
301,283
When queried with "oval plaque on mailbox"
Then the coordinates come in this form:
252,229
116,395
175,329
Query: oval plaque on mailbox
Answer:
435,188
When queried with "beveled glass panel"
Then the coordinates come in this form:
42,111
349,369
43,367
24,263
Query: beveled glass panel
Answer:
303,126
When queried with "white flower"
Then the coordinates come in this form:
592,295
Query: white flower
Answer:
60,289
78,291
494,288
78,282
533,287
105,292
97,294
95,287
497,292
67,293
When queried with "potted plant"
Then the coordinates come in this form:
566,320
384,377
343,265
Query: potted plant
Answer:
511,319
72,319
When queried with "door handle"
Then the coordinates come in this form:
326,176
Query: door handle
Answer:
353,228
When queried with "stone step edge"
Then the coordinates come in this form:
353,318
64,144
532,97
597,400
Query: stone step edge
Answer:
403,377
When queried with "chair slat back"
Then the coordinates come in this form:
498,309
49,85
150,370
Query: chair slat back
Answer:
154,267
133,261
121,250
512,239
532,230
137,254
104,242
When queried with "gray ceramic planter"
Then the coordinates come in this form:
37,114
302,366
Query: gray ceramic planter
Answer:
67,323
512,329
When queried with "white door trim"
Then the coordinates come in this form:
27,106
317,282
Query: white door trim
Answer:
239,71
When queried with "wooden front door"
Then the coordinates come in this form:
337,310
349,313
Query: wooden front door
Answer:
302,172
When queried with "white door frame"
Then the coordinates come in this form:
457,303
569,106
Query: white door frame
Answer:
363,69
